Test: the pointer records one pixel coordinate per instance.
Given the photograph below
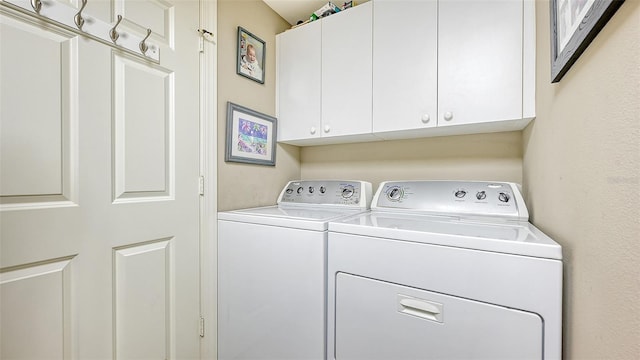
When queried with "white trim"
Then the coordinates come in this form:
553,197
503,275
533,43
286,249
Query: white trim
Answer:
208,169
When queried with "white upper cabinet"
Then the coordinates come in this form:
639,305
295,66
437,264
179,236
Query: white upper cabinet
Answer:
346,72
392,69
480,56
405,65
298,82
442,63
324,79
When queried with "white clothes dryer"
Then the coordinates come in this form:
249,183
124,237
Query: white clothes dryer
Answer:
272,271
443,270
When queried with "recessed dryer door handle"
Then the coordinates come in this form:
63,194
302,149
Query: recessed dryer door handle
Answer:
421,308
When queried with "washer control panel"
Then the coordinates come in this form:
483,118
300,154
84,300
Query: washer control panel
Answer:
348,193
479,198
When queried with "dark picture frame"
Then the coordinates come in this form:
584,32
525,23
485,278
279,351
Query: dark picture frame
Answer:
574,24
250,66
250,136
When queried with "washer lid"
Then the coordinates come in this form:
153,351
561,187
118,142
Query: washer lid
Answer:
309,218
496,235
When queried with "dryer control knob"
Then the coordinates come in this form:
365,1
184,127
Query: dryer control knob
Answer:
504,197
481,195
300,190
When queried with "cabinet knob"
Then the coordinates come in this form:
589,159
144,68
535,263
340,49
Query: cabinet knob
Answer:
312,130
425,118
448,115
327,128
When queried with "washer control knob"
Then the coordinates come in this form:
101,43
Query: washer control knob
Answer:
425,118
300,190
460,193
289,191
311,189
323,189
481,195
312,130
347,192
394,194
504,197
327,128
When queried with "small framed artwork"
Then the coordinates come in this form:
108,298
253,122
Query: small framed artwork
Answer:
574,24
251,136
251,54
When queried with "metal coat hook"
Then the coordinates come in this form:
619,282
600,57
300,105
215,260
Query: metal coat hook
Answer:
78,19
113,33
143,46
36,5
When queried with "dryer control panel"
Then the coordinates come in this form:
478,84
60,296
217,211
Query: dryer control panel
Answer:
476,198
343,193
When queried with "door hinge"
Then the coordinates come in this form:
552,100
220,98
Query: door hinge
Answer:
201,326
201,185
205,35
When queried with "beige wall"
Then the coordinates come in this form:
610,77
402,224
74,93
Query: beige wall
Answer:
244,185
582,183
495,156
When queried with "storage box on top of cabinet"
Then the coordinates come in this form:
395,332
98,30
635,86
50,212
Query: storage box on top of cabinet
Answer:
437,68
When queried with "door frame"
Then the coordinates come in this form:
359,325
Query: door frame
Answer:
209,180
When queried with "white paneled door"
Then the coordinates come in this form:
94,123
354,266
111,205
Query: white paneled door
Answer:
99,169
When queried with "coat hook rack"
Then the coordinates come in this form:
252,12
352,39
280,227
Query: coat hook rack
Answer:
75,20
78,19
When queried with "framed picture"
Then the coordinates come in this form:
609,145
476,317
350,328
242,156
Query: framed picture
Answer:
574,24
251,136
251,54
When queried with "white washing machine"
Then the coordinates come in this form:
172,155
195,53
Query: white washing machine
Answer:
443,270
272,271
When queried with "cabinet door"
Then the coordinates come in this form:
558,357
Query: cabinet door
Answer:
346,72
299,82
479,61
405,42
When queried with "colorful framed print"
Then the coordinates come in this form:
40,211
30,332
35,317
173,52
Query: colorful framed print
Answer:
251,136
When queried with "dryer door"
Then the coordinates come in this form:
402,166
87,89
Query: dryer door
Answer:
380,320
